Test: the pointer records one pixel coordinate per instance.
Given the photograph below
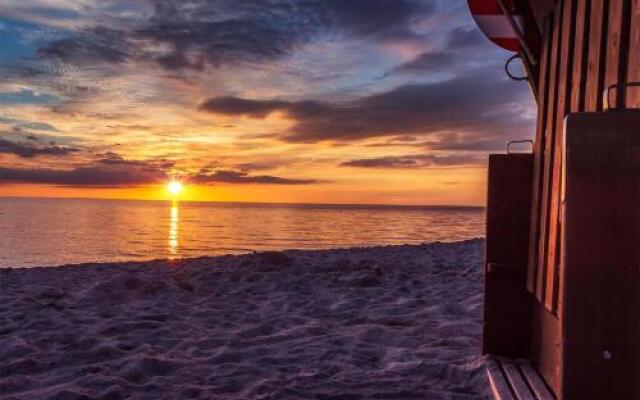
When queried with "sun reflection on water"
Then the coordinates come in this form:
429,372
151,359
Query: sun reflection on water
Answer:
173,231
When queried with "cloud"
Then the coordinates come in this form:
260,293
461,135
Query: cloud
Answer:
237,106
464,37
213,32
415,161
476,106
32,125
34,148
436,61
229,176
88,176
108,170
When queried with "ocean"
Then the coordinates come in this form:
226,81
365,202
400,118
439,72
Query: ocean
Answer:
50,232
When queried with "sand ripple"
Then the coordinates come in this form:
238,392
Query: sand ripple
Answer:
397,322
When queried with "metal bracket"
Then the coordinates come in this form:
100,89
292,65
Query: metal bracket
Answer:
518,141
509,74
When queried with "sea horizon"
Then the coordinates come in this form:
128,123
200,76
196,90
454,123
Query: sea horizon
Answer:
84,230
256,203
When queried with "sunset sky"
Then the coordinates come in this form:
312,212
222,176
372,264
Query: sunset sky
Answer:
315,101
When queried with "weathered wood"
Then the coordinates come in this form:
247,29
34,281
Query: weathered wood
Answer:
601,235
516,380
565,61
595,65
580,55
545,350
538,387
615,60
507,311
548,156
498,383
543,98
633,68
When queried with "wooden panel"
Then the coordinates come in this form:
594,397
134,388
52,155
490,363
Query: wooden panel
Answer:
595,65
507,310
548,155
545,351
538,387
543,98
580,55
601,232
565,61
633,69
516,380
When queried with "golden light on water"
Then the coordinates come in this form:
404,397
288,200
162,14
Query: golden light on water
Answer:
173,231
174,187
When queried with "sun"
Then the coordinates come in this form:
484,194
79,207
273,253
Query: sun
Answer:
174,187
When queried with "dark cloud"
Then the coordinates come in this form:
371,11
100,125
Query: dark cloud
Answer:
113,159
199,32
479,106
89,176
106,170
34,148
228,176
90,46
415,161
238,106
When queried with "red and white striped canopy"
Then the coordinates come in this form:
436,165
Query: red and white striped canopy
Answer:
494,24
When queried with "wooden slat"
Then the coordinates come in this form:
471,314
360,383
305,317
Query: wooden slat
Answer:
539,388
565,62
595,65
543,98
548,155
546,345
633,67
615,60
499,386
580,56
516,380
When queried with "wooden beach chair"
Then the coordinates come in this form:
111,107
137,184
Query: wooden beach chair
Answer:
562,263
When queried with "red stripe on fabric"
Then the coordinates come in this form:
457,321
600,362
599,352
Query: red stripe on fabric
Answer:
484,7
510,44
487,7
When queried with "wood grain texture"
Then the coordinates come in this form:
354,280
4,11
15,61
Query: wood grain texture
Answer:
633,68
517,381
539,145
580,55
538,387
615,60
548,155
565,62
498,383
546,345
595,64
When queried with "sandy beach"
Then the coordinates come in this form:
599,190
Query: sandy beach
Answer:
394,322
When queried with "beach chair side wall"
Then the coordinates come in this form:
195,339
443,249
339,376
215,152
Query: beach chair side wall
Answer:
507,318
601,256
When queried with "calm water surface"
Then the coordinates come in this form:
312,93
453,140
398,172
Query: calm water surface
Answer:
46,232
